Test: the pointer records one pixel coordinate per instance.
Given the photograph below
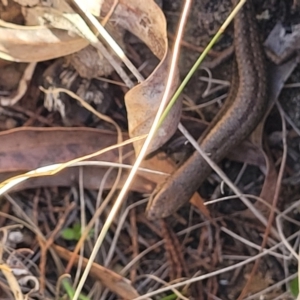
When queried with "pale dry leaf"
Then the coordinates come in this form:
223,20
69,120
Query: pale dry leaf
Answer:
106,60
36,42
146,20
27,148
142,103
49,17
25,44
93,6
27,2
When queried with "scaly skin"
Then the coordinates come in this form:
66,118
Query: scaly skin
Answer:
244,108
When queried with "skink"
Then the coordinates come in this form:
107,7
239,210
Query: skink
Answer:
243,109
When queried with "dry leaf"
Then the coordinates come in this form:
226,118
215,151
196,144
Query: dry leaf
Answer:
92,177
148,23
142,103
37,44
25,149
28,148
145,20
27,2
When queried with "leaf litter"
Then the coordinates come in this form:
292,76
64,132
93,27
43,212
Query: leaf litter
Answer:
204,247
